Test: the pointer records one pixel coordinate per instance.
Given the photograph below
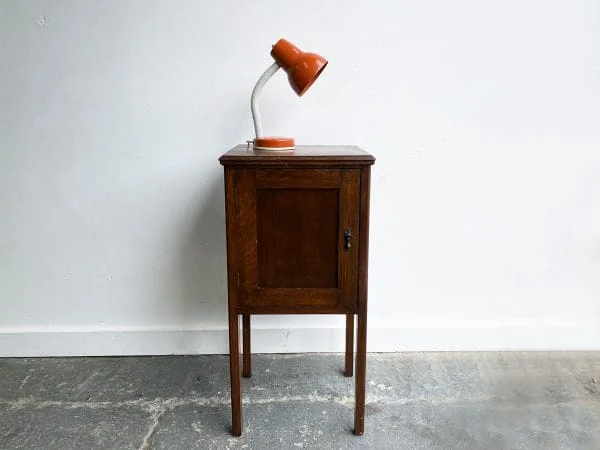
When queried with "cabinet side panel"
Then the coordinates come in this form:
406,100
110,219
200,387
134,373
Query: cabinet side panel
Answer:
232,236
246,222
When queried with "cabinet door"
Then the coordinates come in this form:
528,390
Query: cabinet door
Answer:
295,248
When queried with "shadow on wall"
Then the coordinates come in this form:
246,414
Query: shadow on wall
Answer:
202,262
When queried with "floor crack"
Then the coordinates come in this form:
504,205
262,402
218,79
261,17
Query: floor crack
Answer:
157,409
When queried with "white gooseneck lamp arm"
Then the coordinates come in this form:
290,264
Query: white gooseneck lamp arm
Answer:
254,99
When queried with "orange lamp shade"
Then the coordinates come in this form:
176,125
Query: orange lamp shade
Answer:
302,68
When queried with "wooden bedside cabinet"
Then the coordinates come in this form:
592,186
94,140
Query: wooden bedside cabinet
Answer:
297,243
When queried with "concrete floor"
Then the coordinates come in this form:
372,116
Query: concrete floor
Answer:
415,400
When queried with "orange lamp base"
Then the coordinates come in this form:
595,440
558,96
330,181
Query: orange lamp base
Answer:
274,143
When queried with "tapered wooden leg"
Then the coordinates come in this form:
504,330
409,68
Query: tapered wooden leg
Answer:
349,365
361,371
234,369
246,366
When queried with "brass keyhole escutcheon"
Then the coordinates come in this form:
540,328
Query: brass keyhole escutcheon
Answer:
348,240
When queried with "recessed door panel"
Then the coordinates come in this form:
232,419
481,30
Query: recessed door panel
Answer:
297,237
294,228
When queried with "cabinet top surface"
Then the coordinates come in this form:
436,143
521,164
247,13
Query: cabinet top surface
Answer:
302,155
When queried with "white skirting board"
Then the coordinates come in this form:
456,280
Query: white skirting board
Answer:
15,343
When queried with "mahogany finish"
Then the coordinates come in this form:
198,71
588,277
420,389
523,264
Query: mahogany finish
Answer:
297,243
297,237
246,364
302,156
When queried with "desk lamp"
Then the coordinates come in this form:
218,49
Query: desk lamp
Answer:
302,70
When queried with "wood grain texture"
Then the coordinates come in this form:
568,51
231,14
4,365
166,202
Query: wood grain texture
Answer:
290,306
304,156
234,371
292,239
298,179
232,236
297,243
297,238
245,200
246,347
232,289
349,222
290,299
349,356
363,275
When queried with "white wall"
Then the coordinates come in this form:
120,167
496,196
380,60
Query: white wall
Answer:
484,118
